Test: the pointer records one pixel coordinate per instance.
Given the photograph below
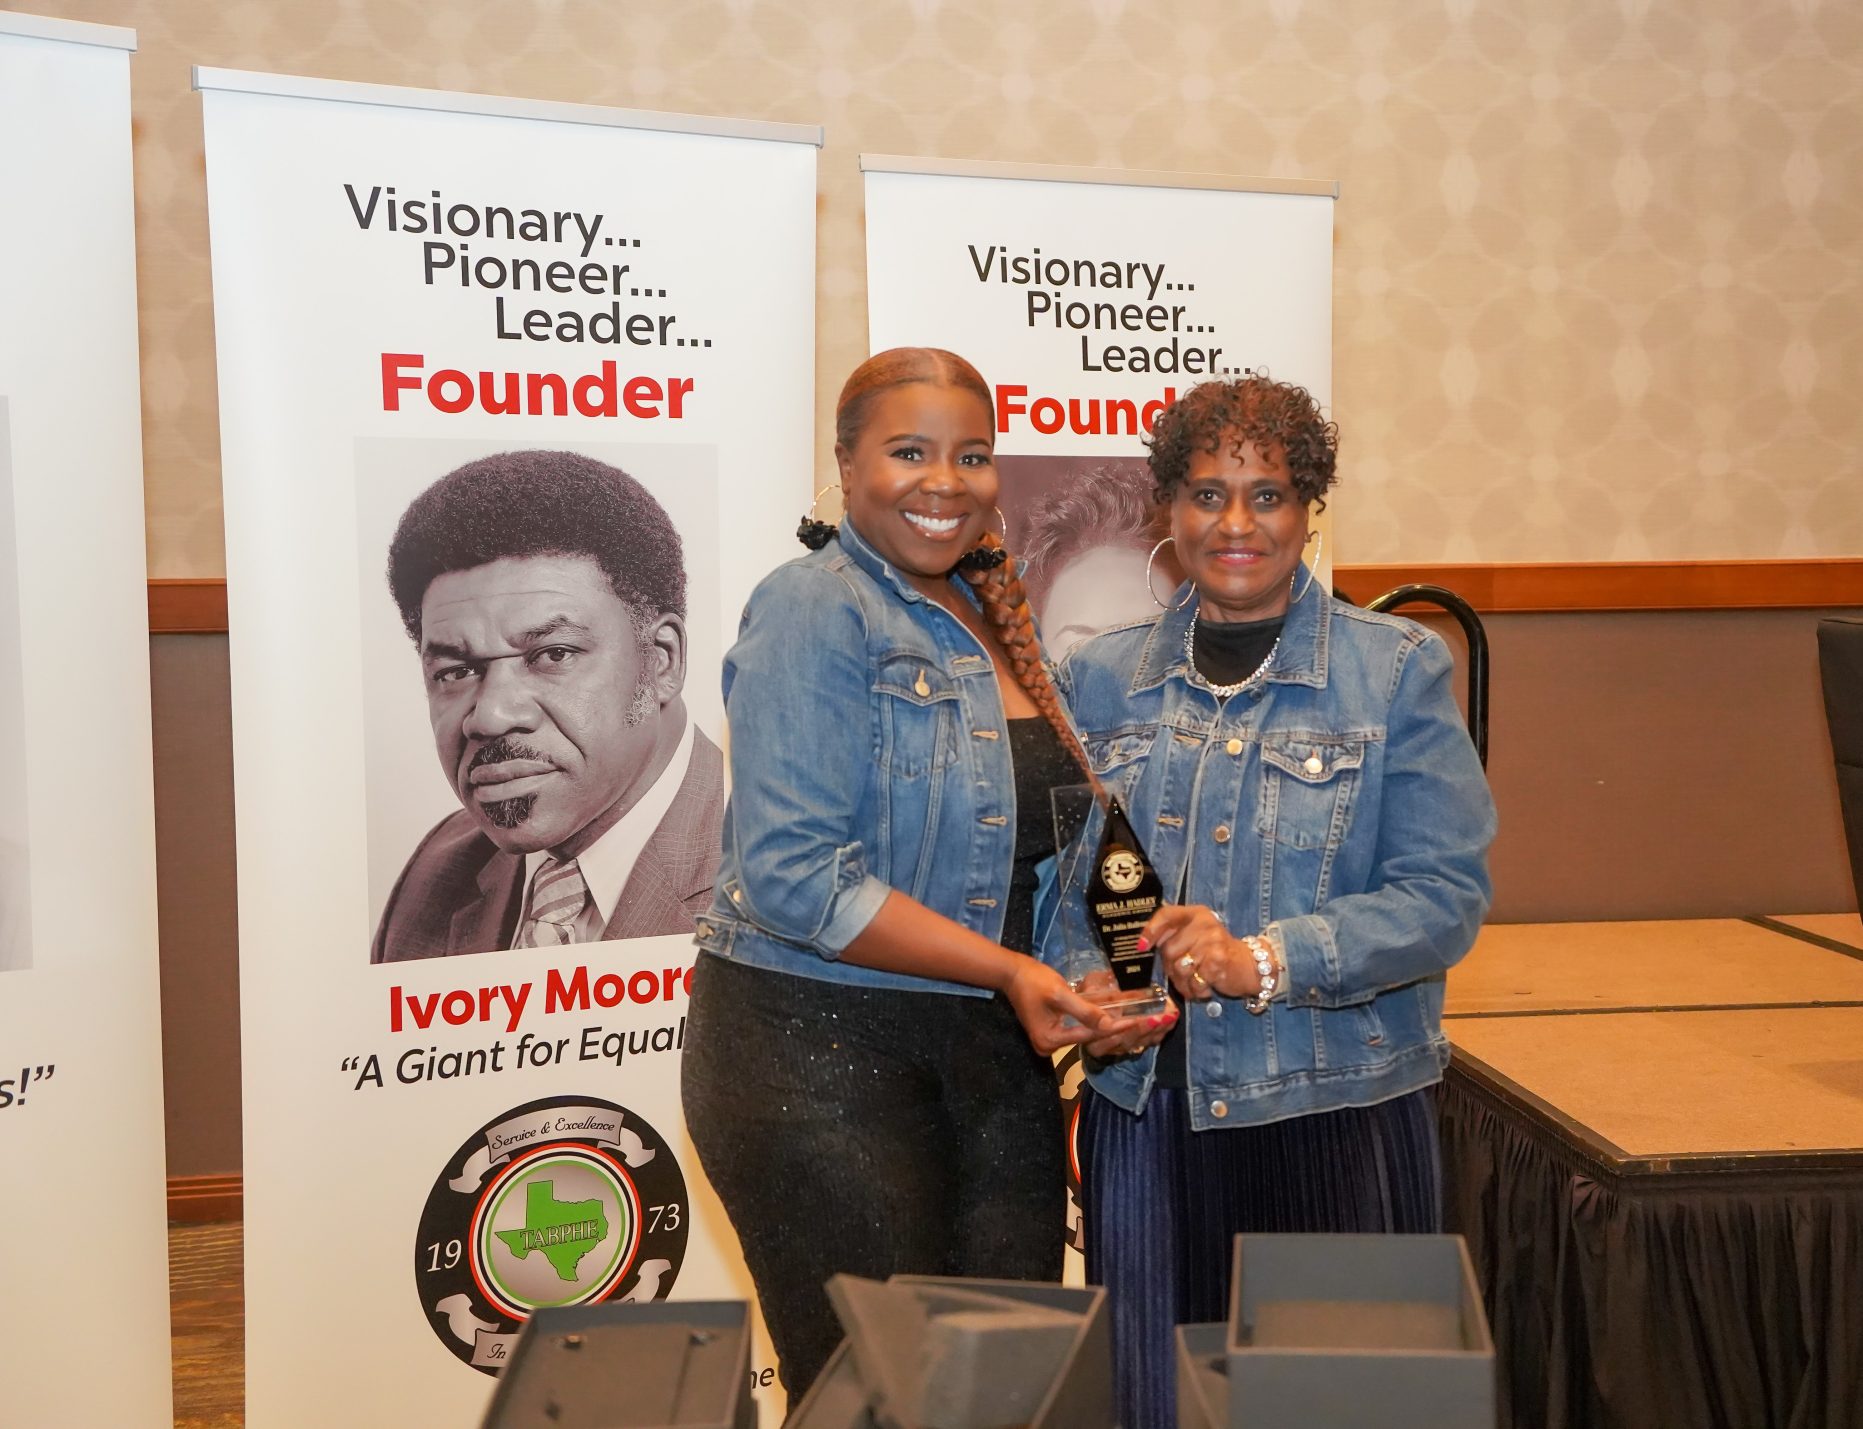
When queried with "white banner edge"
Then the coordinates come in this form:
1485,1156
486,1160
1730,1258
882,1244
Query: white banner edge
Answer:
1087,174
75,32
394,96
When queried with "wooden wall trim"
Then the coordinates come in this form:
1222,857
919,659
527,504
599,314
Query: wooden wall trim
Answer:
1626,585
198,606
196,1200
187,607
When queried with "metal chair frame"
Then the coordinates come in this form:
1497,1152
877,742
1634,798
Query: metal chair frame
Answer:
1473,632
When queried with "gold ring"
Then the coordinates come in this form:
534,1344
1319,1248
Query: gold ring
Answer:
1199,978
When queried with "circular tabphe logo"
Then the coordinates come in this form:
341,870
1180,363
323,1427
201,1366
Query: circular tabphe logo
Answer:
562,1201
1123,870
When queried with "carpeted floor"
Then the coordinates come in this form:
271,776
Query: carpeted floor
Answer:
207,1304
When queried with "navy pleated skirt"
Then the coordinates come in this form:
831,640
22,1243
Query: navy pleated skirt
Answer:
1163,1205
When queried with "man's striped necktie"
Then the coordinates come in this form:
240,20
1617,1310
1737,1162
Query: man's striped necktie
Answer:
557,897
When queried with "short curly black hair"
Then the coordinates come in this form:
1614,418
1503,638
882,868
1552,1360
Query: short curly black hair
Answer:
539,503
1250,408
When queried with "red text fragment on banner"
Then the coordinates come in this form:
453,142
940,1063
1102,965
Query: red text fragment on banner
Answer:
601,393
564,990
1085,416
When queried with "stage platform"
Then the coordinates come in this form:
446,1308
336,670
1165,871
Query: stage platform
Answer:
1653,1139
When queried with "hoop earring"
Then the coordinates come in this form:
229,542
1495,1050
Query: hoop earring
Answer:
812,533
1319,536
1152,590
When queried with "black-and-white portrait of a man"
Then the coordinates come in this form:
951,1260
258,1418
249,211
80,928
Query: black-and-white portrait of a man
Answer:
544,596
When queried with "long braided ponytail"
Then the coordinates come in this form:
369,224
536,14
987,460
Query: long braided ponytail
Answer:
1007,617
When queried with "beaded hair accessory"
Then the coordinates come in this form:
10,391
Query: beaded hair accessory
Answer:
983,556
814,533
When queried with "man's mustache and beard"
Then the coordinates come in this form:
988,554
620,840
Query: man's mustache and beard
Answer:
510,813
507,813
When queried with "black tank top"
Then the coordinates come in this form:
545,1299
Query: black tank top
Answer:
1041,763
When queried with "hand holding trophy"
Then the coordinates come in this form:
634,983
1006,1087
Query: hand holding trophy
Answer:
1108,891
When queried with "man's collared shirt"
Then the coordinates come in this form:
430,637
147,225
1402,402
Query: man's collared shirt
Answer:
608,863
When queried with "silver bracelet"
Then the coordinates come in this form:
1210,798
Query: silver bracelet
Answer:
1263,952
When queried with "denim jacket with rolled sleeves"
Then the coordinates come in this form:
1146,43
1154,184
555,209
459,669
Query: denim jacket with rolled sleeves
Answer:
868,752
1339,808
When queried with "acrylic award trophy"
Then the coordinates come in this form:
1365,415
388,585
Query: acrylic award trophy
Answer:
1108,891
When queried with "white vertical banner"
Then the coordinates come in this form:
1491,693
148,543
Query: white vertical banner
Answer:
1091,299
81,1160
516,406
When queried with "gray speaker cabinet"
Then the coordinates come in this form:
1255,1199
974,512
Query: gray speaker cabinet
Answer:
682,1364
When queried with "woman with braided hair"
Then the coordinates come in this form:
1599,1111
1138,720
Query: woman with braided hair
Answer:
867,1077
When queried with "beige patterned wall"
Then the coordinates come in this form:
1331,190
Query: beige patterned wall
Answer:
1599,265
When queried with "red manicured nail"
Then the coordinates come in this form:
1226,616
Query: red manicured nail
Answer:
1144,944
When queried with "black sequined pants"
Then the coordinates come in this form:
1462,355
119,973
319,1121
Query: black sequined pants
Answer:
869,1131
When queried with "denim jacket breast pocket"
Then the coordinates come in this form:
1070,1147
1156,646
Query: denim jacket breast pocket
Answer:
919,710
1118,756
918,713
1309,783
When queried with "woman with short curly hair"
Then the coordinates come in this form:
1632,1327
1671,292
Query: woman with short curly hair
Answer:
1305,787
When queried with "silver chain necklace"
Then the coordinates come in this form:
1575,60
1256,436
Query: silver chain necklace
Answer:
1222,692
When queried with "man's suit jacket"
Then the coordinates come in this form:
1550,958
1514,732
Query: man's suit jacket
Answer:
460,893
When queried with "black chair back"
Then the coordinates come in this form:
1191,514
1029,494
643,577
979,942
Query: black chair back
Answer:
1840,660
1477,637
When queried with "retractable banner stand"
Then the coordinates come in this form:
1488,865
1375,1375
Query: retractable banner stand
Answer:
84,1250
1091,299
516,406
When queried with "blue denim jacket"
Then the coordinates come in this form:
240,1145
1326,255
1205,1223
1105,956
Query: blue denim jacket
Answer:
1338,807
869,752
